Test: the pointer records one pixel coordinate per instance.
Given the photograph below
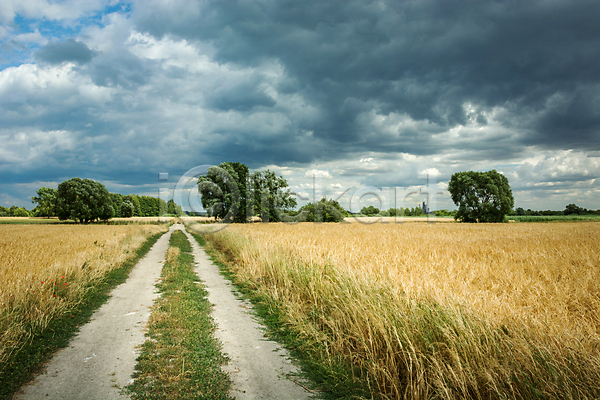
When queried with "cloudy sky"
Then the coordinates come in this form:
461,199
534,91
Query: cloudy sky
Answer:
356,93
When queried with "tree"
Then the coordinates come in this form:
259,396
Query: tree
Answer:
481,196
83,200
271,196
370,211
520,211
220,193
133,199
46,202
19,212
174,208
117,203
573,209
127,209
242,174
322,211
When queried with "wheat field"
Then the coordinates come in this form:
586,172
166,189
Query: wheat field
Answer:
438,310
46,269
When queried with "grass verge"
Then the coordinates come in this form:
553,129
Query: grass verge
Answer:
25,362
554,218
181,359
331,375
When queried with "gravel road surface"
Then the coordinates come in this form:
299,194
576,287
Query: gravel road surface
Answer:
101,358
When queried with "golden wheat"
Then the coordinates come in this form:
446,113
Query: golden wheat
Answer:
542,274
46,269
446,310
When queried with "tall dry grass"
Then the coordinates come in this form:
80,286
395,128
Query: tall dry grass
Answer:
45,270
438,310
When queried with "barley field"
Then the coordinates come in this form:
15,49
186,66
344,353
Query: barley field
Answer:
46,269
437,310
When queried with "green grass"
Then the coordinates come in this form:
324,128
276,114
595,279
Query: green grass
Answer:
553,218
182,359
27,361
331,376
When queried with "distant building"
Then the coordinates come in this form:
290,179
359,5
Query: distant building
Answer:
425,209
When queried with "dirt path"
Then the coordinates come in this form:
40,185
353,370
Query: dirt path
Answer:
101,358
259,367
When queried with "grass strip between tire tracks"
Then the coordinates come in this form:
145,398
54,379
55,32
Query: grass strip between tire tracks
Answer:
26,362
182,359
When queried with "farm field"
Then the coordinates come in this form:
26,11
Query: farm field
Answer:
436,310
46,270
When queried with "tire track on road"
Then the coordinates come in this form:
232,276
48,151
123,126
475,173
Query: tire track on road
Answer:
101,358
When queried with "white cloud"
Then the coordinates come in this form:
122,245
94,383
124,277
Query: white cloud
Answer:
51,10
431,172
317,174
31,37
26,149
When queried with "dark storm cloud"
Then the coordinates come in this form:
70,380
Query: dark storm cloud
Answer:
68,50
425,59
243,97
123,70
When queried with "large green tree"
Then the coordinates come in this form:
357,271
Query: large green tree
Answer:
220,192
574,209
271,196
229,192
481,196
83,200
46,202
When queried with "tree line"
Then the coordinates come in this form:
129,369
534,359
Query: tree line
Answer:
86,200
231,193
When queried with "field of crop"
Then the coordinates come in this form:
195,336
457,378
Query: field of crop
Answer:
46,269
436,310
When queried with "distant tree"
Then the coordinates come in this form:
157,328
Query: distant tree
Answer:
20,212
520,211
173,208
271,197
417,212
370,211
4,212
395,212
134,199
127,209
148,206
322,211
444,213
573,209
162,207
481,196
46,202
83,201
220,193
242,174
229,192
116,202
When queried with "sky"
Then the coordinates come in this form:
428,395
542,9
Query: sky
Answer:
361,99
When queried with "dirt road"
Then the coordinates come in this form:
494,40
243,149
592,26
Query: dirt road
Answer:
101,358
259,368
